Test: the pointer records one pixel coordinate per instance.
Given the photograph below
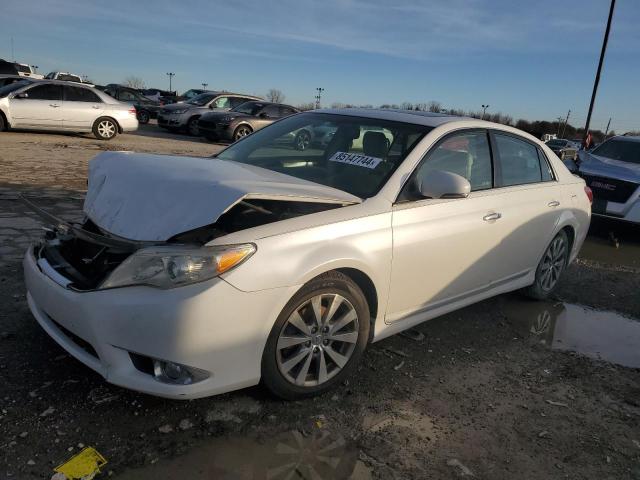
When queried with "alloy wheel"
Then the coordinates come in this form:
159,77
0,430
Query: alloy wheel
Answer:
106,129
242,132
303,139
317,340
553,263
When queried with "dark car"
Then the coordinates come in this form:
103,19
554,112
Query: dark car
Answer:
145,107
242,120
564,149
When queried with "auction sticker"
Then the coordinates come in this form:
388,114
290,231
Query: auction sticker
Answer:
355,159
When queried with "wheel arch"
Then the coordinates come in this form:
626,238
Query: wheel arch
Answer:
108,117
6,120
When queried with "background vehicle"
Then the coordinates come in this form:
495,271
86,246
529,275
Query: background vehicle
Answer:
25,70
8,68
162,96
9,79
145,107
184,116
303,256
564,149
242,120
612,171
64,76
63,106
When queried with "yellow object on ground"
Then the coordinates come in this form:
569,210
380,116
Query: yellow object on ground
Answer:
84,465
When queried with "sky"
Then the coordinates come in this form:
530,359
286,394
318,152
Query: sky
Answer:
529,59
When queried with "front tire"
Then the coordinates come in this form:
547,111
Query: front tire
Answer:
318,338
241,132
192,126
105,128
554,261
143,117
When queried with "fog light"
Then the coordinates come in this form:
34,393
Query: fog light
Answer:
171,372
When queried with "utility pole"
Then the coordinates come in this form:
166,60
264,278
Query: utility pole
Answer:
559,123
13,54
606,130
318,95
565,123
204,85
484,110
171,75
597,79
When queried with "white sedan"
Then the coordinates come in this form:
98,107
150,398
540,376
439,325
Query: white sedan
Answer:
64,107
196,276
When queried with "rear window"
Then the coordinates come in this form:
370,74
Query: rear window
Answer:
618,149
23,68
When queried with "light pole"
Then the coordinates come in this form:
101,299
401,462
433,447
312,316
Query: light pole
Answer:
597,79
318,95
171,75
606,130
204,85
566,120
484,110
559,123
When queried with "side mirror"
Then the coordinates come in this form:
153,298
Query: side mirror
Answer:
442,184
22,95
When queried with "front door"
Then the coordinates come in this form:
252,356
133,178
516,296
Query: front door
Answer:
444,250
41,107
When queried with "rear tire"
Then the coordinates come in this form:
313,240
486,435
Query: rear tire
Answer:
105,128
306,355
3,123
553,263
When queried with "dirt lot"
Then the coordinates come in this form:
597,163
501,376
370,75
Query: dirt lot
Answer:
504,389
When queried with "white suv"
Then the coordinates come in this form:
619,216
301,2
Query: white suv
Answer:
64,106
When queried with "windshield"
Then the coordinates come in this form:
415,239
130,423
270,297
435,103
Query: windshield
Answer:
7,89
250,108
202,99
353,154
618,149
557,143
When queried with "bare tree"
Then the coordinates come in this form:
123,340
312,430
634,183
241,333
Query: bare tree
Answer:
434,107
306,106
134,82
274,95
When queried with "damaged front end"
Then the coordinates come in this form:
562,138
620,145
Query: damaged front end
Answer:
83,257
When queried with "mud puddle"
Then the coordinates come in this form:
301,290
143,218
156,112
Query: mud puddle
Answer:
603,335
616,243
290,455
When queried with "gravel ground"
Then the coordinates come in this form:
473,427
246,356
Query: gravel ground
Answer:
504,389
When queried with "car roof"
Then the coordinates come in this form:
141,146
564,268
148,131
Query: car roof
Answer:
416,117
630,138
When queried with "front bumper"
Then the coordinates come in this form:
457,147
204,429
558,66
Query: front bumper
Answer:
173,120
211,326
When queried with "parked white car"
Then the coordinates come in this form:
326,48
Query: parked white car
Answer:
26,70
197,276
64,76
64,106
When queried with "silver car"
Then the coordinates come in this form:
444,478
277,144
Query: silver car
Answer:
197,276
64,106
184,116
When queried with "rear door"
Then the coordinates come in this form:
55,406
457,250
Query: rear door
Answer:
530,205
41,108
81,108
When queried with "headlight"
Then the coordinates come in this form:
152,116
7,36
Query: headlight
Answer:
179,111
168,267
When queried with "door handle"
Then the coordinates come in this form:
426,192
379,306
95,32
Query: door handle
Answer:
492,216
554,203
54,105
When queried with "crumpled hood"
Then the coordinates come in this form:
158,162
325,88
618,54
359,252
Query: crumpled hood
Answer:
606,167
149,197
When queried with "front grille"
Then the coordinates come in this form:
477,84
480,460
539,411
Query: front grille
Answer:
610,189
80,342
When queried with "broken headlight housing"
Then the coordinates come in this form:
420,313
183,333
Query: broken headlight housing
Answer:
168,267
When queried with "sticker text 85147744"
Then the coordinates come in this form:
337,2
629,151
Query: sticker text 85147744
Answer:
356,159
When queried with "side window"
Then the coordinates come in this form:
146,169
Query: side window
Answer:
271,111
547,173
518,160
79,94
236,101
45,92
126,96
466,154
222,102
286,111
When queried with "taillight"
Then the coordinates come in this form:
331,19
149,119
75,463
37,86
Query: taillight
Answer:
132,110
589,193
